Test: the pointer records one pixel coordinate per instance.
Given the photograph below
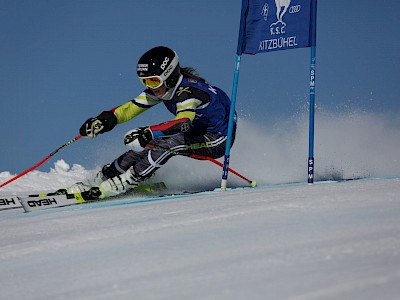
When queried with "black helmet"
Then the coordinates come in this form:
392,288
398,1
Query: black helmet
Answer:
159,65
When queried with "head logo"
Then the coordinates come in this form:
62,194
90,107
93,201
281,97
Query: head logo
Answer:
7,201
42,202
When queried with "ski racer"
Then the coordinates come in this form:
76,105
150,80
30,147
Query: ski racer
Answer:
200,124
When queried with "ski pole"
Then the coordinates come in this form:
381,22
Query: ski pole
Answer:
41,162
203,157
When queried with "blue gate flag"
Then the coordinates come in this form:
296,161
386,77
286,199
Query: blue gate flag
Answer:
271,25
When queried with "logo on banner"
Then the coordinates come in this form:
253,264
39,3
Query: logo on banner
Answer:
265,11
270,25
278,29
281,8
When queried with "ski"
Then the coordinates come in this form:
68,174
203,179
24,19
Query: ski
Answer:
32,202
62,198
9,202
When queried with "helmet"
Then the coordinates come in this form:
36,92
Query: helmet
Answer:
159,65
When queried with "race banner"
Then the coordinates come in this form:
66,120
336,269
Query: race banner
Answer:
271,25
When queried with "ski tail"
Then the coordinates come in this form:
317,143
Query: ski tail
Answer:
9,202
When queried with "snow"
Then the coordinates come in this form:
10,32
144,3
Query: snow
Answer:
330,240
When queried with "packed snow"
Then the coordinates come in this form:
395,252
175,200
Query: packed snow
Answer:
283,240
331,240
326,241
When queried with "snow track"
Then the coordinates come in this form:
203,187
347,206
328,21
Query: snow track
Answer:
297,242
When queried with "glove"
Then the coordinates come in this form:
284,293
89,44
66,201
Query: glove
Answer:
138,138
91,128
95,126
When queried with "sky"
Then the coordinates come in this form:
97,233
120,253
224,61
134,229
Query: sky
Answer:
63,62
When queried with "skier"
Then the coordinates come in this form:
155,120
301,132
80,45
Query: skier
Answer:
200,125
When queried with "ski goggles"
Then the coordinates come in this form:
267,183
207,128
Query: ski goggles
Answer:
153,82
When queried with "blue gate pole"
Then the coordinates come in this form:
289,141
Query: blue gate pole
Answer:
225,171
312,119
313,37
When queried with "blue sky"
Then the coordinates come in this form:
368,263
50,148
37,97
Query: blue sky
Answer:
65,61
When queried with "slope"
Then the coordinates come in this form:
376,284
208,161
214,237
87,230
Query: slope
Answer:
327,241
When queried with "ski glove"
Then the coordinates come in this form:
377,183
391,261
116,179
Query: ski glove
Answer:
100,124
138,138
